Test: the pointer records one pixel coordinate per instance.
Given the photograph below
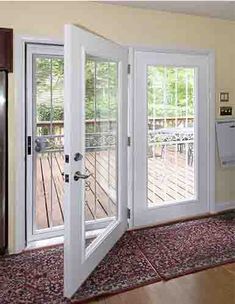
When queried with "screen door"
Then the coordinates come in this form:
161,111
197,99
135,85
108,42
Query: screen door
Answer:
95,150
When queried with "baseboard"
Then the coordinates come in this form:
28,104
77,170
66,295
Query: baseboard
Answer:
224,206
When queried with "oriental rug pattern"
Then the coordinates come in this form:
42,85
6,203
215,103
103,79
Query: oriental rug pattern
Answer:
140,257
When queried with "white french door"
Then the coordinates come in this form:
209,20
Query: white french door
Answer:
170,136
45,132
95,153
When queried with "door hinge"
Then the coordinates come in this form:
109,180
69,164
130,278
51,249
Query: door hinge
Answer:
129,141
128,69
128,213
29,145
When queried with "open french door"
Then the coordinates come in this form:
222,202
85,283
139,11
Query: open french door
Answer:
95,89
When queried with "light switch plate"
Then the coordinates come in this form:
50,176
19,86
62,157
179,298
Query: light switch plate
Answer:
226,111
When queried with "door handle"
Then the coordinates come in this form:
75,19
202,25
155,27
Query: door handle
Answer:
42,144
38,145
78,175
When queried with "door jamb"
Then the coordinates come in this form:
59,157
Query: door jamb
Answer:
18,218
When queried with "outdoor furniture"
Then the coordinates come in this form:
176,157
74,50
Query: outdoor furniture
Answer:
173,136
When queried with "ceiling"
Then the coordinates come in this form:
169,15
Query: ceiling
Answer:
214,9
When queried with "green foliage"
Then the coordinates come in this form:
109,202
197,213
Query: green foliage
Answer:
170,91
167,87
46,113
101,89
49,88
43,112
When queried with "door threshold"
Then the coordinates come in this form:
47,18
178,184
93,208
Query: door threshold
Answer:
173,221
45,243
60,240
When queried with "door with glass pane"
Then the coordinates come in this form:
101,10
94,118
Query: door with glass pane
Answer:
95,176
45,144
171,137
45,140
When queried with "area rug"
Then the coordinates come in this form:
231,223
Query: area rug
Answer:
124,268
36,276
190,246
140,257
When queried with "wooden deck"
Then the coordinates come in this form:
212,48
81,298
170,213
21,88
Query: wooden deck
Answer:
99,191
169,179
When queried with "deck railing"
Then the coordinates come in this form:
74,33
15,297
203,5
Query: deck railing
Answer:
170,122
104,125
100,134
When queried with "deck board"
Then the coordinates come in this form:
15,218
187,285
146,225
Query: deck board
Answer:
41,212
57,195
46,193
169,179
104,201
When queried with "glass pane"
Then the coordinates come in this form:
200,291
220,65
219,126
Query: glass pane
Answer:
101,108
43,194
48,88
57,96
171,129
42,94
49,95
49,190
101,139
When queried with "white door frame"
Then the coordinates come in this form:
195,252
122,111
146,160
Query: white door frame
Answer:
17,212
55,51
18,220
211,117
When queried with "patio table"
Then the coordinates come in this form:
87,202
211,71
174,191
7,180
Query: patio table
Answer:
172,136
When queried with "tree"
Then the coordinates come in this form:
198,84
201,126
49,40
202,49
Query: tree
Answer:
170,91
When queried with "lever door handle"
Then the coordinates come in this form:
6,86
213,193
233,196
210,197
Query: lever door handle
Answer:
78,175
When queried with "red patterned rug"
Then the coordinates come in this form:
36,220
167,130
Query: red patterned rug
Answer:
140,257
124,268
36,276
190,246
